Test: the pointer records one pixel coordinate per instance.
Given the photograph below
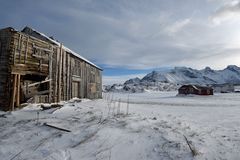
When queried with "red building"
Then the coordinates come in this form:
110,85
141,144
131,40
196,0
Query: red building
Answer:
195,89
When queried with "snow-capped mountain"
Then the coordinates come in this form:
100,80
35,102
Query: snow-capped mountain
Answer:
184,75
172,79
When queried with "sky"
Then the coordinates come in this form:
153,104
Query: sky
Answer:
129,38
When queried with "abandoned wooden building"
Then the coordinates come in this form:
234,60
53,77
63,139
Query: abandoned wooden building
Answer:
195,89
36,68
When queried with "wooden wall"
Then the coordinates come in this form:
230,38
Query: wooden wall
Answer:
34,70
5,41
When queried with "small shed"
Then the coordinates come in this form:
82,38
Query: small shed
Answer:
195,89
223,88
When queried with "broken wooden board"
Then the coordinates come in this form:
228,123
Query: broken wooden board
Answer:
55,127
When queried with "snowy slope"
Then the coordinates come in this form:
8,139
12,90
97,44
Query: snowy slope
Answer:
100,129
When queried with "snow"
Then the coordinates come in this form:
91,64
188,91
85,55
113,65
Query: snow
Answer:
154,128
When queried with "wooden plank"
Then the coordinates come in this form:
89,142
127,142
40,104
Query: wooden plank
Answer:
43,49
56,75
40,65
50,77
19,41
26,50
82,80
37,83
14,56
60,75
18,90
13,92
64,76
68,76
20,49
55,127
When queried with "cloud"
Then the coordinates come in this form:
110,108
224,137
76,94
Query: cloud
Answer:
230,11
133,34
178,25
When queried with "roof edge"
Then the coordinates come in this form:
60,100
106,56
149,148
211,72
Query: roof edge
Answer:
64,47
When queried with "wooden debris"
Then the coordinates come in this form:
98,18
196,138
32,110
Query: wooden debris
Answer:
17,155
191,147
46,107
61,129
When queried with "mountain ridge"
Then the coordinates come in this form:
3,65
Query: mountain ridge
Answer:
171,79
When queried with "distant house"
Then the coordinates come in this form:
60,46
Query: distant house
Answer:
195,89
237,88
223,88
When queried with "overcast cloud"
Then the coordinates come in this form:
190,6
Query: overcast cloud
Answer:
137,34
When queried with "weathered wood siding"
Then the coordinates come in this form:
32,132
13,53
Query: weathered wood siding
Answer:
31,56
5,42
36,70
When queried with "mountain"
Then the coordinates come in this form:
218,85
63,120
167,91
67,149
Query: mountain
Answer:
172,79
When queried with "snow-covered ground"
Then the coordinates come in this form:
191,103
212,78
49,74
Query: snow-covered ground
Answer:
154,128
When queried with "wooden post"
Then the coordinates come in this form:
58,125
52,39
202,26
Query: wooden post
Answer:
50,77
64,75
20,49
13,91
18,90
56,76
71,74
60,75
26,50
68,76
14,55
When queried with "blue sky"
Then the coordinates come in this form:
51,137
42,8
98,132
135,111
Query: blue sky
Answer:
129,38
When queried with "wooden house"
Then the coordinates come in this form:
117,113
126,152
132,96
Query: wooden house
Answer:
223,88
195,89
36,68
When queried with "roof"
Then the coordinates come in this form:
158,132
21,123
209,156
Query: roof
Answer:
222,85
197,87
28,29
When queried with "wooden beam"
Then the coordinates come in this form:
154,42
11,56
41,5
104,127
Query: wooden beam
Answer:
37,83
68,76
43,49
61,129
18,90
13,91
20,49
60,75
14,55
64,76
50,77
56,76
19,40
26,50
